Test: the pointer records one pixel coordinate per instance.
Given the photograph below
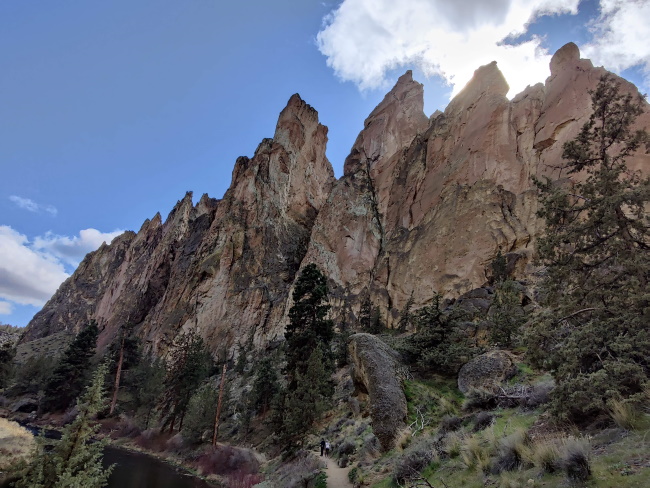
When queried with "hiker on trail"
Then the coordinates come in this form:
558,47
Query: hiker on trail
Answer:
327,448
322,446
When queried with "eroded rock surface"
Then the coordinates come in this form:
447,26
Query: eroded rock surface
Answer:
374,373
486,371
424,205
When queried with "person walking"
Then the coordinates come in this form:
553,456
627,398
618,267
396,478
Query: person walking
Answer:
322,446
327,448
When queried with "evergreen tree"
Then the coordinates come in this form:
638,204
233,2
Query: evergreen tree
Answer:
499,267
365,314
124,355
148,382
311,397
439,344
33,374
7,354
71,372
76,460
594,331
406,315
189,364
309,336
308,327
265,386
507,314
200,413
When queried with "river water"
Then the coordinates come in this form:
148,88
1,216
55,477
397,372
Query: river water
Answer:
137,470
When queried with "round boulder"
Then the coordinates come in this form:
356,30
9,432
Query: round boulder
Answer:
486,371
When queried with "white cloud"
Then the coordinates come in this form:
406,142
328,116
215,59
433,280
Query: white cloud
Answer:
364,39
32,206
72,250
30,273
621,36
6,308
27,277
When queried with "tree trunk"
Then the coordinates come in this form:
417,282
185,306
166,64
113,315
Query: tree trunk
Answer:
118,374
215,432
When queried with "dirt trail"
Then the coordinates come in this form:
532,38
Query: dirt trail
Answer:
337,477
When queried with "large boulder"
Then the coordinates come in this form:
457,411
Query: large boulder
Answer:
25,405
486,371
375,374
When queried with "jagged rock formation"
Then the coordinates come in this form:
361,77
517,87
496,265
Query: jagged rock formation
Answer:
222,266
424,205
375,375
429,212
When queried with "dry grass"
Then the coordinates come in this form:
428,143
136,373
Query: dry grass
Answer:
544,453
625,415
475,454
16,443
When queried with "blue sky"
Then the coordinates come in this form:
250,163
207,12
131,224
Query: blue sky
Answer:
111,111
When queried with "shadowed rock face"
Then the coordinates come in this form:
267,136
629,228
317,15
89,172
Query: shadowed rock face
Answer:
424,205
374,372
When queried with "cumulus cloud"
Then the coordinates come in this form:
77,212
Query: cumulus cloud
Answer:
6,308
30,273
621,36
32,206
27,276
365,39
72,250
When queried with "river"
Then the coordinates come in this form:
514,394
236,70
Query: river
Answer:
138,470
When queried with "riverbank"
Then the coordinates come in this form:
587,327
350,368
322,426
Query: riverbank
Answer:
16,446
217,467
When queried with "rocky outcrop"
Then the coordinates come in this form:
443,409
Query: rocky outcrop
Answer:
424,205
431,214
223,267
374,372
486,372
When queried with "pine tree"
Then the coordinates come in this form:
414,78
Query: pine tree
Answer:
265,386
594,331
308,326
148,385
76,460
189,364
309,336
71,372
311,397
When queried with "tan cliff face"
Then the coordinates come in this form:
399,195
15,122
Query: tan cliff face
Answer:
424,205
223,267
428,214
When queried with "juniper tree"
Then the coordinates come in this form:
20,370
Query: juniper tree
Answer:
76,460
594,332
71,372
439,343
406,314
506,313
